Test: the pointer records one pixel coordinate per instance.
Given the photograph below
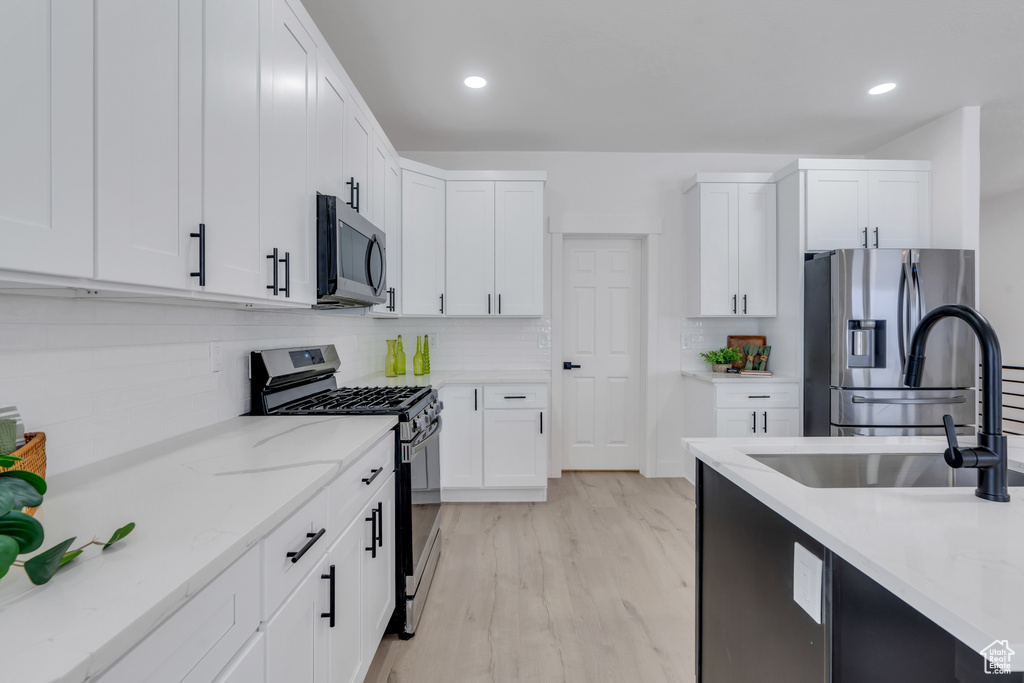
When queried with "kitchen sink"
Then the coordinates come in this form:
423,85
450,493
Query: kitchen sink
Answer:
872,470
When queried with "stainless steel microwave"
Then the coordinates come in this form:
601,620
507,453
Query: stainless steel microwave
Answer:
351,266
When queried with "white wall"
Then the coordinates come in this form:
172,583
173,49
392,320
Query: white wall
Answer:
103,377
1002,285
598,192
953,144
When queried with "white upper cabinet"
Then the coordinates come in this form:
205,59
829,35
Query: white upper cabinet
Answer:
391,224
519,247
358,161
423,244
46,113
374,210
288,157
231,148
860,209
332,103
469,251
148,140
731,249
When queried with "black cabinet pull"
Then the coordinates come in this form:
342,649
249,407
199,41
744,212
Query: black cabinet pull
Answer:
515,397
865,238
380,525
359,197
353,194
273,264
542,422
475,407
744,304
202,254
287,261
764,423
391,299
373,533
499,304
313,538
876,238
330,614
373,475
753,422
734,304
442,302
488,304
766,396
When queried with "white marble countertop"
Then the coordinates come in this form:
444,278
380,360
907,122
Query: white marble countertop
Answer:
723,377
440,378
199,502
955,558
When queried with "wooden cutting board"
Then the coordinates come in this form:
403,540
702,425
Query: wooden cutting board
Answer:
735,341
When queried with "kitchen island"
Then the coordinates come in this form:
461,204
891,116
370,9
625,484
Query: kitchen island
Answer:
914,582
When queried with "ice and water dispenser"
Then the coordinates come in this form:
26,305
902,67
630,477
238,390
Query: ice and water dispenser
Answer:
865,346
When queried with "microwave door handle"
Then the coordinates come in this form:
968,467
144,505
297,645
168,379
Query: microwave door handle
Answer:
383,270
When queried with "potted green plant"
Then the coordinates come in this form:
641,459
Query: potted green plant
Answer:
722,359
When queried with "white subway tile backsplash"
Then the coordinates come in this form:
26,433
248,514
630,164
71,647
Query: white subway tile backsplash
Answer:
102,377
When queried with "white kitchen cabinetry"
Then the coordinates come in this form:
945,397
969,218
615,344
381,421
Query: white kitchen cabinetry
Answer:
519,247
149,99
462,438
379,566
332,103
423,244
736,407
348,643
46,113
358,162
393,230
494,445
469,240
851,209
288,157
249,665
298,634
731,249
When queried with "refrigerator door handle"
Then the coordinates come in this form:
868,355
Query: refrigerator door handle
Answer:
902,316
911,401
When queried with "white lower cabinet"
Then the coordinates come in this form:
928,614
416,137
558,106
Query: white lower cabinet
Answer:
249,665
348,643
379,572
494,444
741,408
736,422
298,633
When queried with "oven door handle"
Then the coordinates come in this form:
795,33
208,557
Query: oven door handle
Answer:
423,438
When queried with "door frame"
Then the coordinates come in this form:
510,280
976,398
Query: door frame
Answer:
648,345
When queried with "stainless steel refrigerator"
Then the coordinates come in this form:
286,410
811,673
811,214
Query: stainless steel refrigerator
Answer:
861,307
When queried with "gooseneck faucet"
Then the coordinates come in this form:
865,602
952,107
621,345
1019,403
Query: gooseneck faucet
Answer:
989,457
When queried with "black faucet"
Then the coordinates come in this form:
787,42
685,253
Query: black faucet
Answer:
989,457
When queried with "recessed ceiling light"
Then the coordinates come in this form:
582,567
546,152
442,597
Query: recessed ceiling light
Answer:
475,82
877,90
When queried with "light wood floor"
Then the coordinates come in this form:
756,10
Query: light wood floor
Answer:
595,585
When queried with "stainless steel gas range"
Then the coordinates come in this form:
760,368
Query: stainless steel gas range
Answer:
300,381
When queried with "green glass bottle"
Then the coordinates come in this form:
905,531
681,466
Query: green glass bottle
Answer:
399,357
426,354
389,359
417,360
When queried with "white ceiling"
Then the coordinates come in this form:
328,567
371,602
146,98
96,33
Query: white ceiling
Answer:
678,75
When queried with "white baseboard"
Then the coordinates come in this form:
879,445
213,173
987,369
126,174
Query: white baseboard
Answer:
674,468
537,495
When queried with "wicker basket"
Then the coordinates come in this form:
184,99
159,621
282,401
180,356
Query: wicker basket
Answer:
33,458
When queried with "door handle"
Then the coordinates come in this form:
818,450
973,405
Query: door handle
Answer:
273,264
380,525
865,238
542,422
744,304
876,238
764,422
442,302
287,261
911,401
753,422
499,304
488,304
373,475
734,303
313,538
373,533
329,615
202,254
567,365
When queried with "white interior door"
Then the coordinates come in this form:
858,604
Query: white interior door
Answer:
601,323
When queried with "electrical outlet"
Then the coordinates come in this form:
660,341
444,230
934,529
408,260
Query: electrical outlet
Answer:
435,340
216,356
807,579
544,339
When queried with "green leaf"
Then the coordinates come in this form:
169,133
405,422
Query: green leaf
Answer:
25,530
38,483
43,566
7,500
8,554
119,534
9,460
23,492
69,556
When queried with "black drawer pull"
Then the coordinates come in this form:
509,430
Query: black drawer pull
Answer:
373,533
764,425
329,615
202,254
373,475
313,538
753,422
542,422
758,396
511,397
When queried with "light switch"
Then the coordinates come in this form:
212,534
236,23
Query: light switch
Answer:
807,578
216,356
